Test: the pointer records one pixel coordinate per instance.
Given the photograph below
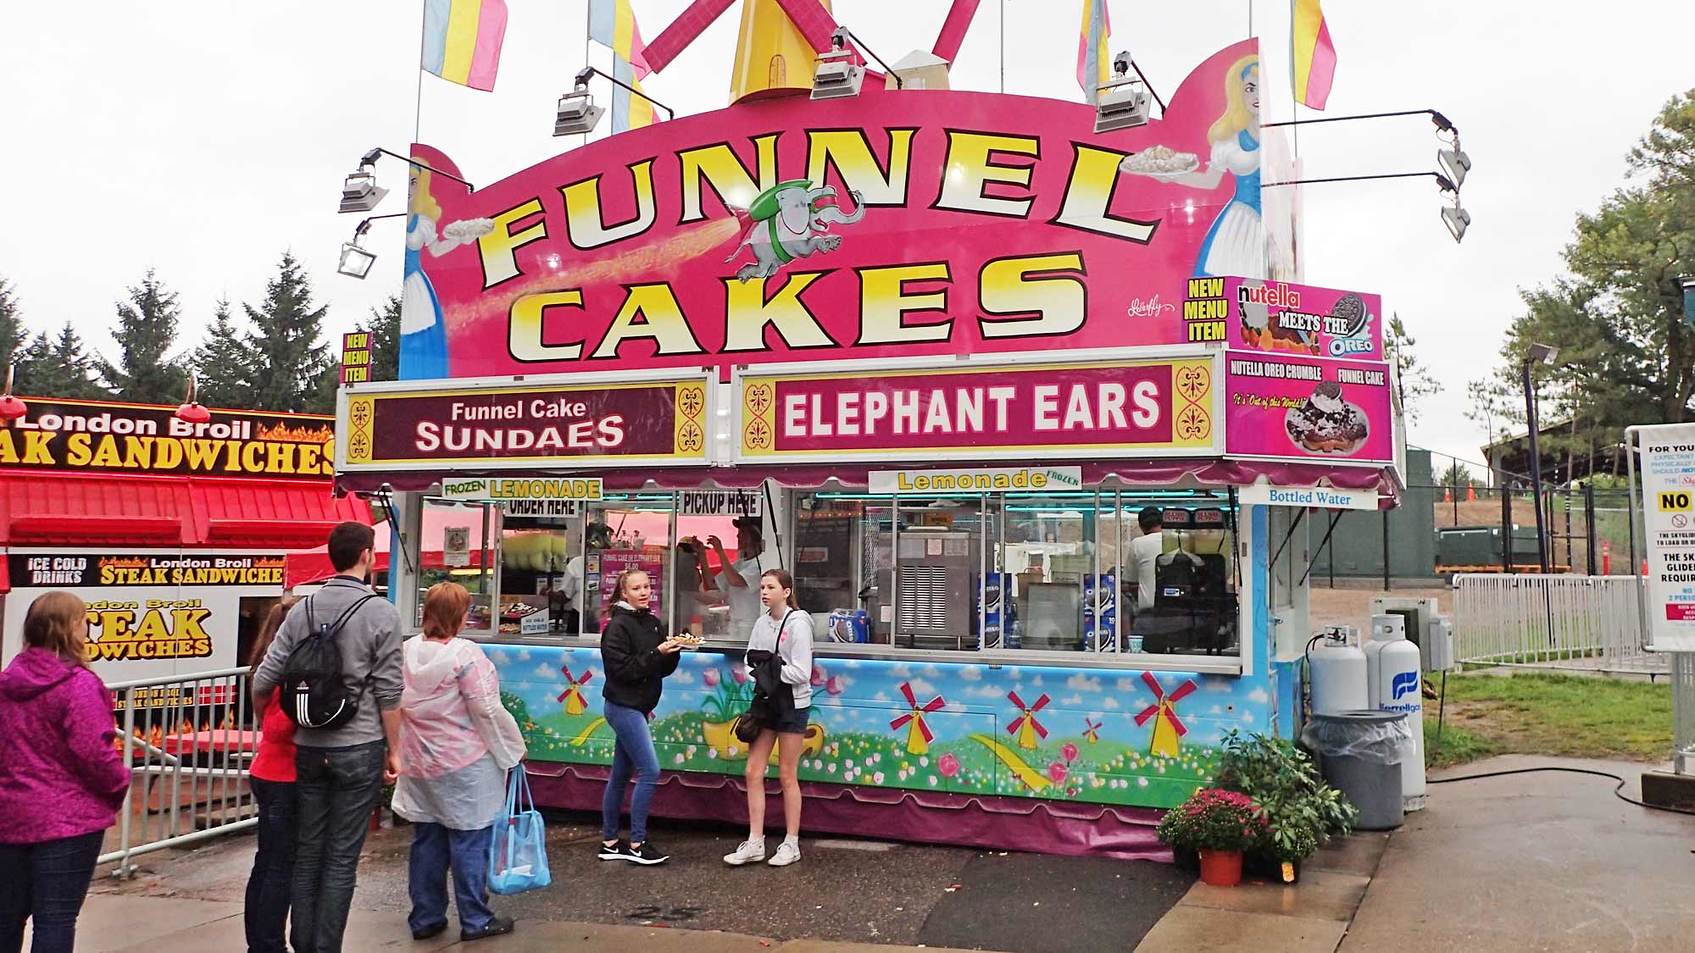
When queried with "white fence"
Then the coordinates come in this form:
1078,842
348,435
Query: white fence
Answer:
188,741
1591,623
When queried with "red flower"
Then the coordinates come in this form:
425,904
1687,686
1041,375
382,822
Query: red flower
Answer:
1056,771
1069,752
948,765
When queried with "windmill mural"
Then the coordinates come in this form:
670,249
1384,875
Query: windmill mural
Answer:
1168,728
918,734
779,41
572,696
1091,731
1025,726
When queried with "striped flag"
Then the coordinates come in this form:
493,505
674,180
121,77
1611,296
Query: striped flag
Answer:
612,24
1094,63
1312,55
462,40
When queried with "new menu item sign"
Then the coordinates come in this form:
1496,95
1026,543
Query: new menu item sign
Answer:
74,436
1668,520
1307,408
1150,407
1255,314
608,424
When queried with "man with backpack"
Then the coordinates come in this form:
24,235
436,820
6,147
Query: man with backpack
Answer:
337,660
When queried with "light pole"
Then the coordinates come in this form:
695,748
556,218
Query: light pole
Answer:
1539,354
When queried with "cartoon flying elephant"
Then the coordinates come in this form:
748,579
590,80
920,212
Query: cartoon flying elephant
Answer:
787,221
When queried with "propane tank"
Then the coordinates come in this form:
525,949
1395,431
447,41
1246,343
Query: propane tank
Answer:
1400,687
1385,628
1339,676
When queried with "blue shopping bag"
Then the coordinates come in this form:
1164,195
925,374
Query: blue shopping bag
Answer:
518,855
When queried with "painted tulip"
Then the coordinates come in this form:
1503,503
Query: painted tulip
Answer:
818,677
1069,751
948,765
833,684
738,672
711,677
1056,772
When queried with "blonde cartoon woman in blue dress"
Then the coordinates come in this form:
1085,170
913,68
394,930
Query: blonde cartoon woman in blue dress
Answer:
1235,244
423,331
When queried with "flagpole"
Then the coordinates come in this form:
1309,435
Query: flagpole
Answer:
418,100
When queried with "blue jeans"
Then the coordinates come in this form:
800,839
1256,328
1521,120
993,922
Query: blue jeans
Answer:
46,882
435,850
268,886
633,753
335,790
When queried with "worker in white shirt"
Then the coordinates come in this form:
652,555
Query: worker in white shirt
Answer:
740,583
1145,551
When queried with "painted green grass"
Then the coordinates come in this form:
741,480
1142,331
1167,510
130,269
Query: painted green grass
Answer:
1097,772
1568,715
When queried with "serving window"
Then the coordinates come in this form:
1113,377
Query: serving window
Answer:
1056,572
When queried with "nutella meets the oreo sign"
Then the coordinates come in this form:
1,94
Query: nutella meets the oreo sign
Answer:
1307,408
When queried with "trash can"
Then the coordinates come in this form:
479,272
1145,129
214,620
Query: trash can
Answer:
1360,754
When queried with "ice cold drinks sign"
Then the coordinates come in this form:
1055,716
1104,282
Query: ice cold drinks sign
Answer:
1008,411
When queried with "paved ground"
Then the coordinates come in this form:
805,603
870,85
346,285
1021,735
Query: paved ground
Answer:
844,890
1536,862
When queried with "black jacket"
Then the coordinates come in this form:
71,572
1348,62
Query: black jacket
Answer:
635,668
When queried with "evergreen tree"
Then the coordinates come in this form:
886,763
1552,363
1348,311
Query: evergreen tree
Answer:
290,362
1415,380
384,328
12,335
224,364
147,330
58,367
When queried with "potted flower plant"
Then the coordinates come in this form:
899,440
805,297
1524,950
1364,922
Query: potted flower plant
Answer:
1219,825
1300,811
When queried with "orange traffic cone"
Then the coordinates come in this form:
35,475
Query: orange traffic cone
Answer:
1447,494
1471,493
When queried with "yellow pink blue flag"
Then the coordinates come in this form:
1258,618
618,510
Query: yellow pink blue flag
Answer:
462,40
1094,63
612,24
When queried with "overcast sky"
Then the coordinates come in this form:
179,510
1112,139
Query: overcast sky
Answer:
204,138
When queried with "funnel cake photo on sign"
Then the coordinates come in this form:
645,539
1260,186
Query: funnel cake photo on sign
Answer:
1325,423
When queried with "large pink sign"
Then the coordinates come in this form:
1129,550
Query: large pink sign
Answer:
1284,406
892,224
1106,408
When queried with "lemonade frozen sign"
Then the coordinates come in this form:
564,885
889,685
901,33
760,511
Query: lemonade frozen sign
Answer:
977,480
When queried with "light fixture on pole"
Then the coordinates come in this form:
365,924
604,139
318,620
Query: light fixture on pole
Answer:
1124,102
360,191
1457,219
1454,162
11,408
577,112
837,76
191,410
1538,354
356,260
1687,282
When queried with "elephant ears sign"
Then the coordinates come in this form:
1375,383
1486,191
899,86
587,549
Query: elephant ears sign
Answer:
895,224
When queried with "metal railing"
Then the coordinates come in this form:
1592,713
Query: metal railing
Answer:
1587,623
188,740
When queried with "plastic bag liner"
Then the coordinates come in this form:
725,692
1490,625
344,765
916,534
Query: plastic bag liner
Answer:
518,854
1380,737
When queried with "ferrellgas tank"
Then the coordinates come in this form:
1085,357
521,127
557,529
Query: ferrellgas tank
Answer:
1399,687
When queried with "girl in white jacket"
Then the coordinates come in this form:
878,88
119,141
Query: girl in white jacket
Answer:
785,631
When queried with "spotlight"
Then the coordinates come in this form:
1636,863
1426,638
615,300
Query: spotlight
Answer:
1543,353
577,112
1441,121
360,191
1447,186
355,261
1457,219
837,76
1454,162
1123,103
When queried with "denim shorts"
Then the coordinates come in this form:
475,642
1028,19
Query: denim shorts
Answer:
790,721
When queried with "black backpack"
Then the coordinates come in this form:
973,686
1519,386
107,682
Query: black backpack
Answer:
314,693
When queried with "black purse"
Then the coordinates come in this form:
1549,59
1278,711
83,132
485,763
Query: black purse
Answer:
767,669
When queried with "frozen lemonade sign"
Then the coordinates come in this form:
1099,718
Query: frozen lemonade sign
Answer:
1101,409
897,223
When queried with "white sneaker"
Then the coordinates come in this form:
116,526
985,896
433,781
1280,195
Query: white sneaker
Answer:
787,854
749,852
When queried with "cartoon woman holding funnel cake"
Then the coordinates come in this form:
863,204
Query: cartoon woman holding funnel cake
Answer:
1235,244
423,332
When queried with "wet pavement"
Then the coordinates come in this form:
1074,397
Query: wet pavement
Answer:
861,891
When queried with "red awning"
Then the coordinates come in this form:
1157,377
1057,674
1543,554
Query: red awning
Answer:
110,510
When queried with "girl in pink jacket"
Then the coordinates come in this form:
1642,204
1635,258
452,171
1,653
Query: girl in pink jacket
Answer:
61,780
